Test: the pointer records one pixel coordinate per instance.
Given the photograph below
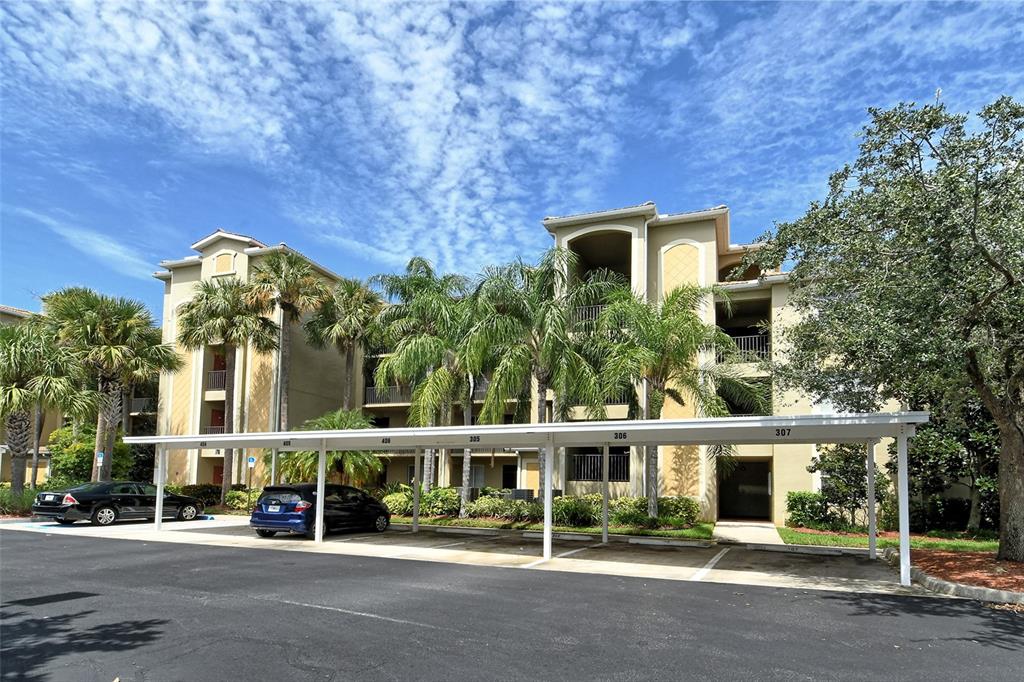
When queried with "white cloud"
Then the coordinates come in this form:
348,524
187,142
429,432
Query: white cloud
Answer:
104,248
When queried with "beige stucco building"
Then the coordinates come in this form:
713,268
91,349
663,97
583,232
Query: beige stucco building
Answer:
655,252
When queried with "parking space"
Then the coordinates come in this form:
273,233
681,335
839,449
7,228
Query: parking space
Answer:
732,564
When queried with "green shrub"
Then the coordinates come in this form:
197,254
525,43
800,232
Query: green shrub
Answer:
237,499
809,510
498,508
207,493
440,502
632,517
71,458
399,503
16,505
574,511
62,483
683,510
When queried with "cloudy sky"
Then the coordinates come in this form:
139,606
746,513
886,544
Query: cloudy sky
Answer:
363,134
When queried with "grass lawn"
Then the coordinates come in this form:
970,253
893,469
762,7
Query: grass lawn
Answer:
699,531
950,542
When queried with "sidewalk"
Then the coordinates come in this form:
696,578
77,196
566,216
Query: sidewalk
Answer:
747,532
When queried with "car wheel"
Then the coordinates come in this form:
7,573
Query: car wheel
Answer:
381,523
265,533
104,516
188,513
65,522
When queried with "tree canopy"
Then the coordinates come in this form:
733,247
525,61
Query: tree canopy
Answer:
909,276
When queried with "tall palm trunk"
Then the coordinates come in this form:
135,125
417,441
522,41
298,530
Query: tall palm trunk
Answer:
542,409
37,435
285,350
18,425
126,402
112,416
652,410
467,453
229,421
350,363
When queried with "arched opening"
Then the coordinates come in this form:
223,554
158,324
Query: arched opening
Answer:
611,250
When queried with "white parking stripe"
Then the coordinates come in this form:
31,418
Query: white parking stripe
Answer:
699,575
563,554
353,613
450,544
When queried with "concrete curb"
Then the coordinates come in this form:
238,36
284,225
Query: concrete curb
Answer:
537,535
952,589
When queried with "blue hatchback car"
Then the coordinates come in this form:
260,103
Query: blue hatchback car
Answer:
292,509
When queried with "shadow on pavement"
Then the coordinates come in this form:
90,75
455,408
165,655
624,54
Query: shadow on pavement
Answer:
31,640
988,626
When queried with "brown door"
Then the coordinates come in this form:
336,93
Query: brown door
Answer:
218,474
216,416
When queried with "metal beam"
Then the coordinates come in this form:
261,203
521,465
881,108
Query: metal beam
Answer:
161,481
549,456
872,526
903,491
604,495
416,476
321,475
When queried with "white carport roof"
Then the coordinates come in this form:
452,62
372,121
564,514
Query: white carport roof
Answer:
830,428
835,428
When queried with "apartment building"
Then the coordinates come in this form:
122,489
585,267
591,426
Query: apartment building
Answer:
655,252
192,400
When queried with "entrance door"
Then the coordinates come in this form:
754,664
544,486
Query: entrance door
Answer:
509,476
745,493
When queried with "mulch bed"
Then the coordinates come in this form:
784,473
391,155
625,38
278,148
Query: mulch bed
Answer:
970,568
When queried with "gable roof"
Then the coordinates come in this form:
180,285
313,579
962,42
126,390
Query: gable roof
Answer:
15,312
222,234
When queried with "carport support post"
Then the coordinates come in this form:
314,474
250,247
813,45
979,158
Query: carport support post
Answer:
321,474
161,479
416,476
549,456
273,466
903,491
604,495
872,529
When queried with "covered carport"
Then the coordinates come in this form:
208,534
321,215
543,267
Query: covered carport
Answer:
866,429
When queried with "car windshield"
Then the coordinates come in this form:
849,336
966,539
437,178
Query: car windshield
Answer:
90,488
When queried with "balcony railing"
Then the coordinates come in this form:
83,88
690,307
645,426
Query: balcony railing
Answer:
587,313
388,394
141,405
753,347
617,398
216,380
212,429
480,387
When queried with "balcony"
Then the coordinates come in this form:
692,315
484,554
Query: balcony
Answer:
142,406
587,314
480,387
752,347
211,430
216,380
388,394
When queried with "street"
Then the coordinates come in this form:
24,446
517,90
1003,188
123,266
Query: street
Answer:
95,609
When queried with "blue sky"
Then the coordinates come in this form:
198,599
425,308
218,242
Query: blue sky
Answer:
363,134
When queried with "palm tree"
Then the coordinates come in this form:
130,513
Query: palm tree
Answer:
224,312
120,345
435,357
34,370
662,347
418,326
526,318
286,279
345,319
354,466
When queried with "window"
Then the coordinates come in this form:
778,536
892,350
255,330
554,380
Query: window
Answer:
380,422
124,489
149,489
351,495
412,473
476,476
587,466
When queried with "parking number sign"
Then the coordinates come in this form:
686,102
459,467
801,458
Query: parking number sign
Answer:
252,462
99,458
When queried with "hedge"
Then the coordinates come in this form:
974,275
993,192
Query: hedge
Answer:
567,510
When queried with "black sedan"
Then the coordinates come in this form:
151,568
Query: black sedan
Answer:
105,503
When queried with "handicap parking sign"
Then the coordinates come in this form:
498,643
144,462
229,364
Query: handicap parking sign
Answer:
252,462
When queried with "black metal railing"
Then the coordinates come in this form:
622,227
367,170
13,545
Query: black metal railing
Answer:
141,405
216,380
587,467
587,313
388,394
752,348
212,429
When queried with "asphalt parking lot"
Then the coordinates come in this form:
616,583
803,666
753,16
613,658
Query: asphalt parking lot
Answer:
732,564
81,608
